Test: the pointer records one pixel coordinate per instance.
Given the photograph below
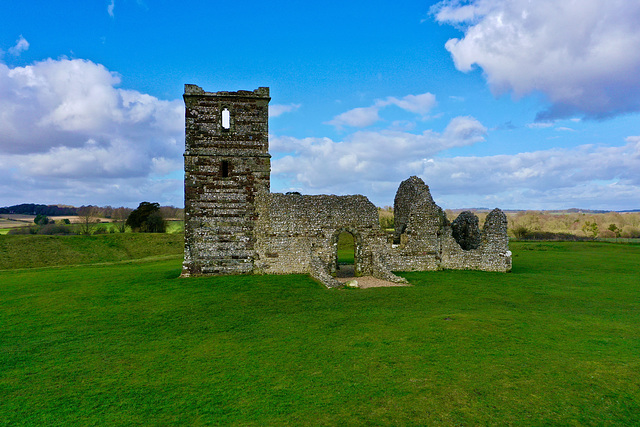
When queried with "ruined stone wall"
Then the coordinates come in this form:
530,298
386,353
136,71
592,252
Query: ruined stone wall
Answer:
417,234
299,234
491,255
411,191
226,163
428,242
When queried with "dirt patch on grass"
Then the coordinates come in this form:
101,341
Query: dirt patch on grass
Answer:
346,273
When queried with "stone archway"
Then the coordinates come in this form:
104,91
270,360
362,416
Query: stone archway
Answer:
357,250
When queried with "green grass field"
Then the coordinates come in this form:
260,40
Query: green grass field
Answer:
555,342
27,251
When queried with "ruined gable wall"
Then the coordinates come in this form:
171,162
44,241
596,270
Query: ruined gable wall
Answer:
421,222
427,242
419,247
493,253
411,192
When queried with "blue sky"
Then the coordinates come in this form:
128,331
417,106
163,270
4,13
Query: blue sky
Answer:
507,103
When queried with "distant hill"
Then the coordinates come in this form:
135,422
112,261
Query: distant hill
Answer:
34,209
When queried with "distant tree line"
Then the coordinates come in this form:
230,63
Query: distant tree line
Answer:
543,225
572,224
34,209
168,212
147,218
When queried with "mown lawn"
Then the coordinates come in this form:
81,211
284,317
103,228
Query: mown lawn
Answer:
557,341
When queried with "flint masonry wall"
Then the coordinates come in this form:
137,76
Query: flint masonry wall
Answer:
227,163
295,233
427,242
419,230
491,255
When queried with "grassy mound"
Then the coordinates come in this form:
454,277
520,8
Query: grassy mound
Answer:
555,342
28,251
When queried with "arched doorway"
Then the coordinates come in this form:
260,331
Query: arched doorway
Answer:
346,244
345,255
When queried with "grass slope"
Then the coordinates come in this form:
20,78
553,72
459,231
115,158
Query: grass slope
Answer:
28,251
557,341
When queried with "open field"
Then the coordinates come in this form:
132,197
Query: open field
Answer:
9,221
26,251
557,341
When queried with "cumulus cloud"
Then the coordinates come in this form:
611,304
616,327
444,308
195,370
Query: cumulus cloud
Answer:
21,45
582,55
276,110
366,116
374,163
65,122
110,7
595,176
359,162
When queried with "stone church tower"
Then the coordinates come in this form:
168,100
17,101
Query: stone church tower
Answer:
226,164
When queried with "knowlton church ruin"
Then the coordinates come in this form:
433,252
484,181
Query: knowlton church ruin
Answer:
235,225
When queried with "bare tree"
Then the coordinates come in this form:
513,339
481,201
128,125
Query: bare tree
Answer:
171,212
119,217
88,219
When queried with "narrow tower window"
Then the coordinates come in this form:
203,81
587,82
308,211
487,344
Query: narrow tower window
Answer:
226,119
224,168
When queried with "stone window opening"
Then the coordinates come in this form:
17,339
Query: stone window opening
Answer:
224,169
397,234
226,119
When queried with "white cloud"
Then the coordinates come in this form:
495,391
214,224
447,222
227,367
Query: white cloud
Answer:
66,123
373,164
585,176
21,45
366,116
419,104
633,139
365,158
358,117
276,110
455,11
463,131
582,54
110,8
